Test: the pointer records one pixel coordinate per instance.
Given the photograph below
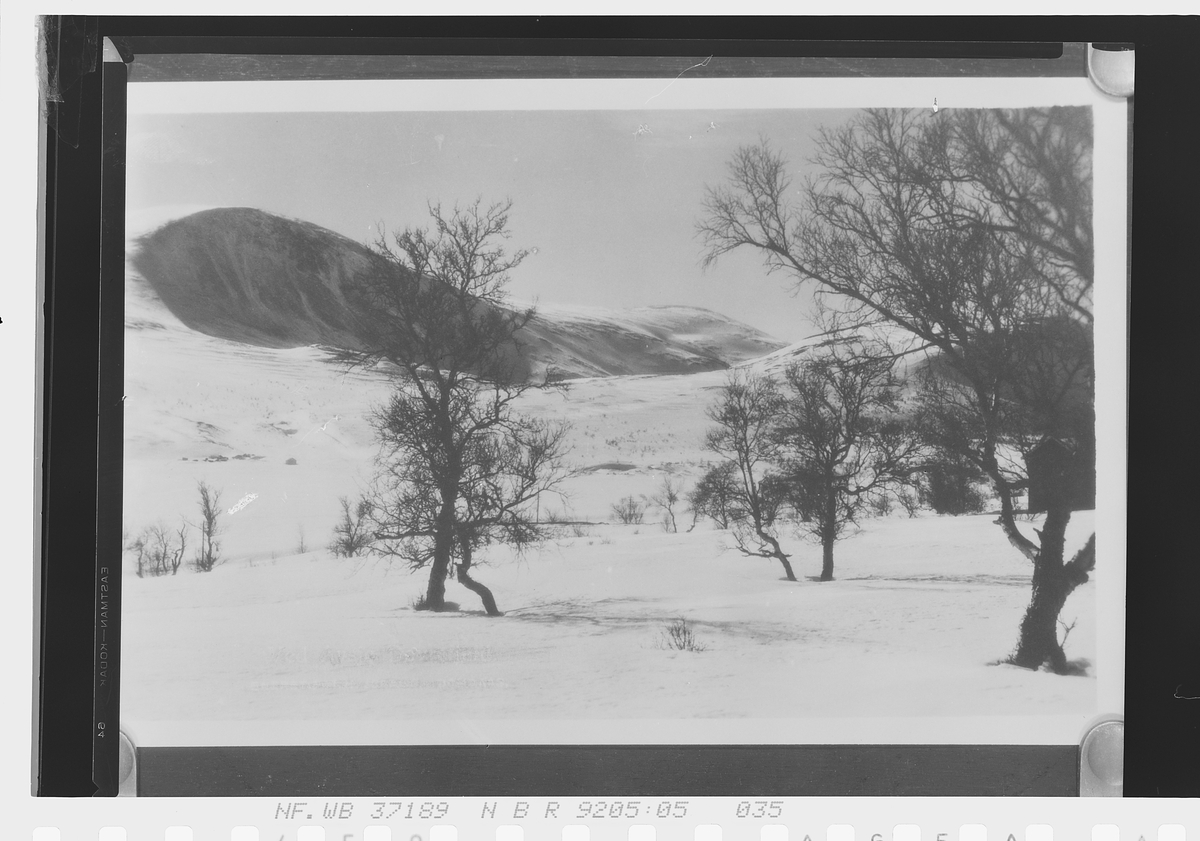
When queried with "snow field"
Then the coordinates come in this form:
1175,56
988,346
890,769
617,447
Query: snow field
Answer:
919,612
903,631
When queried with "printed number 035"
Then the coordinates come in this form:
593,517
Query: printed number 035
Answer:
760,809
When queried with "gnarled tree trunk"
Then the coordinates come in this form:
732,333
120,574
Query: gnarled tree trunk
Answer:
443,548
465,579
775,552
828,529
1053,582
826,557
435,593
787,566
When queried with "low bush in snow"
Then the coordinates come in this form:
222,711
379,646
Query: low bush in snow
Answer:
630,510
678,636
158,551
352,535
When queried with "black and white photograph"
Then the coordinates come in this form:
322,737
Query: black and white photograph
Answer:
623,411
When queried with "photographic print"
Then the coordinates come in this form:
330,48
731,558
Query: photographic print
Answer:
705,411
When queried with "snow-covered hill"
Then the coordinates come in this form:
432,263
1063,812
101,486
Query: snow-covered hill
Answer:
261,279
283,635
594,342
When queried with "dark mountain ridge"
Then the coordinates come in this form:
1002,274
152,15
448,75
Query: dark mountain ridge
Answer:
254,277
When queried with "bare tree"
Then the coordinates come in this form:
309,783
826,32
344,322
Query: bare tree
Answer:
910,501
180,547
715,495
158,551
972,234
1033,167
744,436
209,553
141,552
949,486
458,466
629,510
351,534
842,441
666,498
508,471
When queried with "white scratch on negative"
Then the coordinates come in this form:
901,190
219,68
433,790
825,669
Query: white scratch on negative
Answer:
676,79
321,428
242,503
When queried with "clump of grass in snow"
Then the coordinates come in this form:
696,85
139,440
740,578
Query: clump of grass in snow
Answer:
421,602
678,636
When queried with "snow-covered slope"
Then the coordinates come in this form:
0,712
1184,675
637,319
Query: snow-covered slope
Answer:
649,340
261,279
281,631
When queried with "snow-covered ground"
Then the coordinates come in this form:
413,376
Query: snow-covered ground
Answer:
911,629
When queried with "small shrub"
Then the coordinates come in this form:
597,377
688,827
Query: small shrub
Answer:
715,496
351,535
1067,629
666,498
880,505
910,502
952,490
580,530
139,549
209,553
630,511
421,602
158,551
290,461
678,636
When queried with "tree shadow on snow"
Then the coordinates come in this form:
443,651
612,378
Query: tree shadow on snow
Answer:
447,607
980,578
590,614
1079,667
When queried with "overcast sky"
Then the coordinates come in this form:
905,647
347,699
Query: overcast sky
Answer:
611,211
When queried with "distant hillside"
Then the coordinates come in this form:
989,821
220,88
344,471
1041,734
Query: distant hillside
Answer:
254,277
648,340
